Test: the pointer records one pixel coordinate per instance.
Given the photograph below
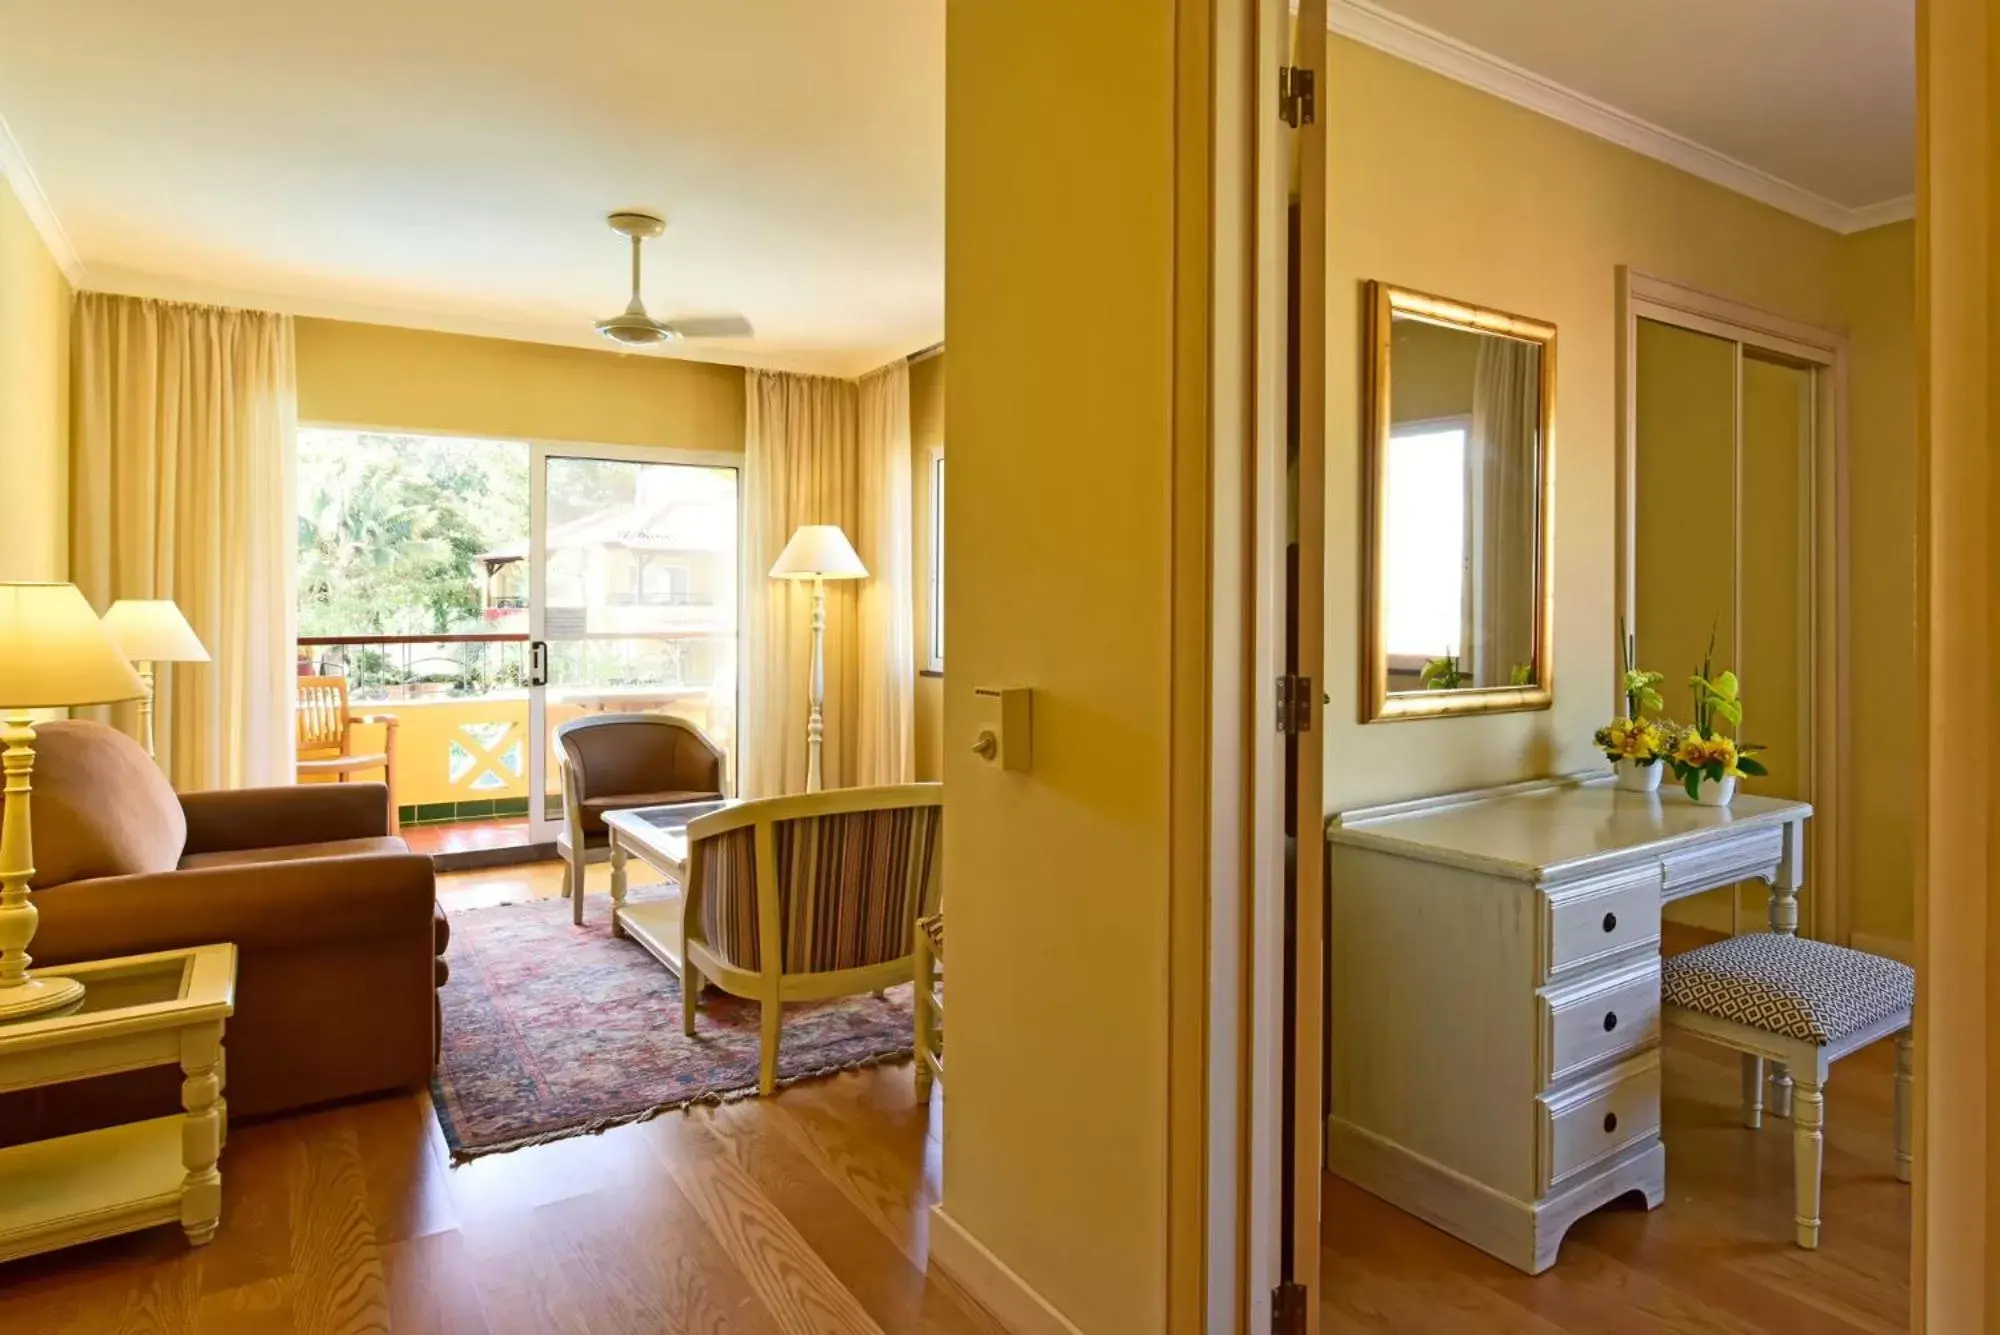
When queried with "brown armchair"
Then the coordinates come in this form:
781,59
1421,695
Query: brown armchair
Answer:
614,762
339,940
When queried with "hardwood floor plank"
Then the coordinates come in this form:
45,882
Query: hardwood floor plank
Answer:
431,1286
335,1257
794,1283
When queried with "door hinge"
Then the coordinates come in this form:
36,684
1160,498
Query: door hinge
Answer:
1288,1309
1295,704
1295,95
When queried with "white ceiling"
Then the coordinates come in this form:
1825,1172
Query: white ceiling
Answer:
447,163
1815,97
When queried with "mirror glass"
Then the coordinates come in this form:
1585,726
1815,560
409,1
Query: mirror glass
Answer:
1460,473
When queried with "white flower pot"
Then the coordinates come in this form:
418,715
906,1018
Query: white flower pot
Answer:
1719,794
1636,778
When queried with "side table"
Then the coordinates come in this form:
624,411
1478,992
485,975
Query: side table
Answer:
161,1009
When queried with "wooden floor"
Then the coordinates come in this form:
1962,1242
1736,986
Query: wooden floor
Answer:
807,1212
1717,1257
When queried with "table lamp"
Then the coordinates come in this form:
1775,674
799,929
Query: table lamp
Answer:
54,653
818,552
149,631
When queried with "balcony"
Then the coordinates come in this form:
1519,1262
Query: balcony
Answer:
463,726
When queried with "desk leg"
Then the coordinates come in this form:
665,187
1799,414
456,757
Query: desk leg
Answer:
618,856
201,1134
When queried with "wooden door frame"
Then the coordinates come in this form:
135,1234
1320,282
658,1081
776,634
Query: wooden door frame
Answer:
1825,641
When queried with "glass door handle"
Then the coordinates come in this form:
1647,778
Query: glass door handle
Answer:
538,663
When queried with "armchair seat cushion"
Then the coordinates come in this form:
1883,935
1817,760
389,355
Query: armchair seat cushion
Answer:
338,848
593,808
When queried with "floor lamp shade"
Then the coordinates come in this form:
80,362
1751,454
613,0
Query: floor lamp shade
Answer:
152,630
818,552
54,652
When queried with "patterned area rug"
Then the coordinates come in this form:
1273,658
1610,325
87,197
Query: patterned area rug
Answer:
552,1030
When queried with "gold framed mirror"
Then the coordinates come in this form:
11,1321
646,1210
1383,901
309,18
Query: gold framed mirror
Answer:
1458,492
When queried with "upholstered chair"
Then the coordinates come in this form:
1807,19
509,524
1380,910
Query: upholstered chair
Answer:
614,762
804,898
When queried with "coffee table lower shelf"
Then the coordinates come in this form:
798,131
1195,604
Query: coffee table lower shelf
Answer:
96,1184
656,925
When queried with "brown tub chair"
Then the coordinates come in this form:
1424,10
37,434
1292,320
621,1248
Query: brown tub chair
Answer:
614,762
340,944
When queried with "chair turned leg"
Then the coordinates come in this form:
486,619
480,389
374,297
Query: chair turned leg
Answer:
1780,1104
573,887
690,997
926,975
1753,1091
1904,1090
1808,1153
770,1023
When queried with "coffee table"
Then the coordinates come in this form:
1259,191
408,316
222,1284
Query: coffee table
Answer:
657,836
163,1009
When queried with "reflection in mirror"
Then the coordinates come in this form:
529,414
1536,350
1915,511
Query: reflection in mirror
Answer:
1460,426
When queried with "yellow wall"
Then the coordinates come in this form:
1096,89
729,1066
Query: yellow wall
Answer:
1055,1108
1445,189
376,375
34,400
1878,290
926,434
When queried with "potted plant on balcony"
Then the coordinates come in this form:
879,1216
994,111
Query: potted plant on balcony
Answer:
1635,745
1706,761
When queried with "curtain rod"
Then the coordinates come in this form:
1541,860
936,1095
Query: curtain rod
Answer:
925,354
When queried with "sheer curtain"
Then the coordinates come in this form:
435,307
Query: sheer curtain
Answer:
1505,489
182,435
826,451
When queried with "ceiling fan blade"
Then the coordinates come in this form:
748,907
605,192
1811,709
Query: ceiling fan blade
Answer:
712,326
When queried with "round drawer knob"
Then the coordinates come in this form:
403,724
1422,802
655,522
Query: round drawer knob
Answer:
1610,1123
1610,1021
1610,922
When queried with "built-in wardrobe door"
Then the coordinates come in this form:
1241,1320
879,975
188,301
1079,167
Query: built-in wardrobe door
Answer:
1722,546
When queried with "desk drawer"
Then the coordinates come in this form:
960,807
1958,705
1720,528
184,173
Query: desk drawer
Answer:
1600,1017
1592,1121
1594,920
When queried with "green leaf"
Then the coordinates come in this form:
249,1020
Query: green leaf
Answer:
1729,709
1691,781
1725,685
1752,767
1713,770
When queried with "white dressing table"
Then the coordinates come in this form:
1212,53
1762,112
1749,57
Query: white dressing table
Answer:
1494,994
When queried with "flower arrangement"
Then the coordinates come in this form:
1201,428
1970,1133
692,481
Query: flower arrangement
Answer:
1442,674
1634,744
1701,754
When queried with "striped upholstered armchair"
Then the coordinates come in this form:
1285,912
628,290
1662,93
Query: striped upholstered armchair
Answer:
804,898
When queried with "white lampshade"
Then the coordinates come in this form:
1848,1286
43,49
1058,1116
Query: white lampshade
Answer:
819,551
54,652
152,630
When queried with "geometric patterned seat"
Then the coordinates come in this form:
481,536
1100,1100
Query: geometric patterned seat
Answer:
1807,990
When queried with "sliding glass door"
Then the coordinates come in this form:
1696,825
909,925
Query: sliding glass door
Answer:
633,598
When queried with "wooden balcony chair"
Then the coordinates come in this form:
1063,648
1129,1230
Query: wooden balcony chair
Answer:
927,1006
326,739
805,898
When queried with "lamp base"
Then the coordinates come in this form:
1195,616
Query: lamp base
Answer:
39,997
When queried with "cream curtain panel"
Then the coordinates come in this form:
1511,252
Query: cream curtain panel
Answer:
183,427
1501,508
826,451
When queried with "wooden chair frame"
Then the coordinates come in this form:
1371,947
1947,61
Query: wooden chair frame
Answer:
1808,1064
928,1009
323,756
770,985
571,845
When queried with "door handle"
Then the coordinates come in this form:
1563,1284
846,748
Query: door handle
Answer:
538,663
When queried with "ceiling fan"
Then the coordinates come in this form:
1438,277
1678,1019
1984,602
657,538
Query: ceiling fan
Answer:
632,327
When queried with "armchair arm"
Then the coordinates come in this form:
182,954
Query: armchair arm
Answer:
315,901
308,813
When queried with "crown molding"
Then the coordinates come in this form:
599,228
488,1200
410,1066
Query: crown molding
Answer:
14,167
1371,25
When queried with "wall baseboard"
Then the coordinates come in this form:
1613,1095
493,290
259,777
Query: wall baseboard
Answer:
1895,948
986,1279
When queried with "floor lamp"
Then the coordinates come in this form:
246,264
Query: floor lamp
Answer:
149,631
54,653
818,552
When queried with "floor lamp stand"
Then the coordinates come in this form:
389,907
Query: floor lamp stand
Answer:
816,692
21,995
146,706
